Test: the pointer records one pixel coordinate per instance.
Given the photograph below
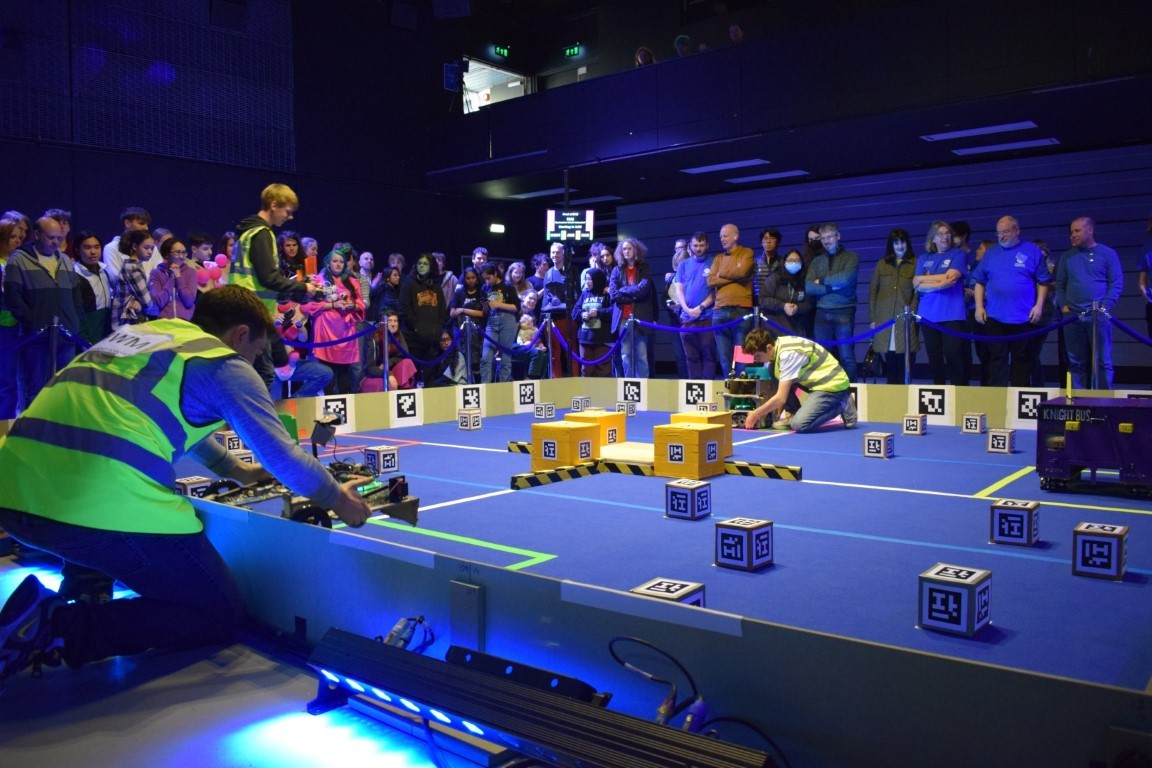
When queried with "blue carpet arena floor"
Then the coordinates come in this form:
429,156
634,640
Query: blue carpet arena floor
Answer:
851,538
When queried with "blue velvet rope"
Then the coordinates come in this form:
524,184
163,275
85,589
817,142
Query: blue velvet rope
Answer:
1129,330
703,329
564,344
502,348
318,344
24,340
1037,331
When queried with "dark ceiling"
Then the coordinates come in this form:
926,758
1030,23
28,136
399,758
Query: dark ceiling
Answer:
1089,116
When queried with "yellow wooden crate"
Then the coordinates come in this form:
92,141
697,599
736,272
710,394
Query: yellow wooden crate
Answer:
721,418
611,424
688,450
564,443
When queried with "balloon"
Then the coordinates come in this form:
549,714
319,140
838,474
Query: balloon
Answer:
222,261
202,276
214,272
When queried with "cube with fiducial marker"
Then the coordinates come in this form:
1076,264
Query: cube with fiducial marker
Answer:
744,543
955,599
687,499
382,459
469,419
673,590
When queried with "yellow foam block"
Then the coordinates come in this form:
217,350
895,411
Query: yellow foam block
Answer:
721,418
611,424
689,450
564,443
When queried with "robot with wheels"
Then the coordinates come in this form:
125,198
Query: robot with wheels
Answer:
746,392
1093,433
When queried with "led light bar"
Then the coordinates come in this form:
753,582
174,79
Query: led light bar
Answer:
540,724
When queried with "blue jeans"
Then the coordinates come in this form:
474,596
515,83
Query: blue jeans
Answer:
360,366
729,338
818,408
9,335
502,327
311,376
635,361
36,367
187,595
1078,338
699,350
833,325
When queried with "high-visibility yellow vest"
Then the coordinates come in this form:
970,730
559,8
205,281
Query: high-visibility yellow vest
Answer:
96,448
822,373
241,272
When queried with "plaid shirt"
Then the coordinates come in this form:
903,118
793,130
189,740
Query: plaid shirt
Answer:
133,286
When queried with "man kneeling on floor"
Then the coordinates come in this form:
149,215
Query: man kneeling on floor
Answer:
87,474
801,363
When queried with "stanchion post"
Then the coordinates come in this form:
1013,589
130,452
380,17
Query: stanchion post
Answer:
54,342
384,354
631,346
907,318
548,341
1095,381
468,329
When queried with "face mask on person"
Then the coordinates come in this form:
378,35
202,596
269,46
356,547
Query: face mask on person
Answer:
793,267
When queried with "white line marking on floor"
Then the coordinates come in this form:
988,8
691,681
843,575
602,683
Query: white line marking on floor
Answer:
465,447
778,433
470,498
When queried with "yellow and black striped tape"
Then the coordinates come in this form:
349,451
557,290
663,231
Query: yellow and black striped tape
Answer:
770,471
557,475
624,468
519,446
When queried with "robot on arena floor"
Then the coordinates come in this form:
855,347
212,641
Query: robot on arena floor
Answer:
746,392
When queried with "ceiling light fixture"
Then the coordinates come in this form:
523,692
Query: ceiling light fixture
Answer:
539,193
1005,147
1002,128
766,177
726,166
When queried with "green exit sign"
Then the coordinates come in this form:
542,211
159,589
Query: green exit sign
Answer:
572,50
502,51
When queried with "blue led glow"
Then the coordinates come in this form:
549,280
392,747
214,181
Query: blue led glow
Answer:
473,729
354,685
410,705
330,676
440,716
381,695
336,739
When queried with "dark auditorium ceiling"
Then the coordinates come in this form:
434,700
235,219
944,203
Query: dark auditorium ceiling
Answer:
1111,113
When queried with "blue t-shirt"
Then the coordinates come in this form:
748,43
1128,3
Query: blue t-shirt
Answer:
1010,276
1145,266
947,304
693,278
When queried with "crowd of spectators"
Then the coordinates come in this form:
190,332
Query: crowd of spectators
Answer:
349,322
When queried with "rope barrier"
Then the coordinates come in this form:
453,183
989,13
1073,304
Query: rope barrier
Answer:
457,332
